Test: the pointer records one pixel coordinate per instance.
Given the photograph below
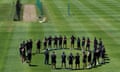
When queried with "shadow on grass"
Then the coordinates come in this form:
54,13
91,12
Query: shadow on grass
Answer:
32,65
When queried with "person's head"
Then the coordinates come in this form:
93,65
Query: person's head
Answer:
45,37
18,1
83,37
21,45
53,52
71,54
95,38
103,46
77,54
39,40
84,53
30,40
46,49
23,41
63,52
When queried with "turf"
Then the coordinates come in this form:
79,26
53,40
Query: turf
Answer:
88,18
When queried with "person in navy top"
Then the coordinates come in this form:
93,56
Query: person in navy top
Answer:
65,42
55,42
88,44
77,61
45,43
53,60
78,43
46,53
72,41
63,57
60,41
83,43
70,59
50,41
38,44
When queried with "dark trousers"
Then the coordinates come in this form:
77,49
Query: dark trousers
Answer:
46,61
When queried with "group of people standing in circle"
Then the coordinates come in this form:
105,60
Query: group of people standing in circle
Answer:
89,58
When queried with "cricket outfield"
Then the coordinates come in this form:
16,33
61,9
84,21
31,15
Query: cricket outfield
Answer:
89,18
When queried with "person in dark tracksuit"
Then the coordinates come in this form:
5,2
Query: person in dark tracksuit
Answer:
100,44
18,9
94,58
88,44
31,44
38,44
29,56
63,57
29,51
83,43
46,57
89,56
103,54
72,41
77,61
45,43
84,60
97,56
60,41
78,43
65,42
23,44
55,42
53,60
22,53
70,59
95,43
50,41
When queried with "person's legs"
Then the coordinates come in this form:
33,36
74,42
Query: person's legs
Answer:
47,61
54,65
78,66
65,65
75,66
71,66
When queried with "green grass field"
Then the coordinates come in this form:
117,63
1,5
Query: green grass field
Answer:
88,18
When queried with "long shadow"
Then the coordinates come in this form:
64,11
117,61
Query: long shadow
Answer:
58,68
34,54
32,65
52,49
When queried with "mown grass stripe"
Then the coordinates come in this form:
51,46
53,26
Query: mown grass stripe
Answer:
58,19
4,47
13,50
115,28
100,21
109,10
